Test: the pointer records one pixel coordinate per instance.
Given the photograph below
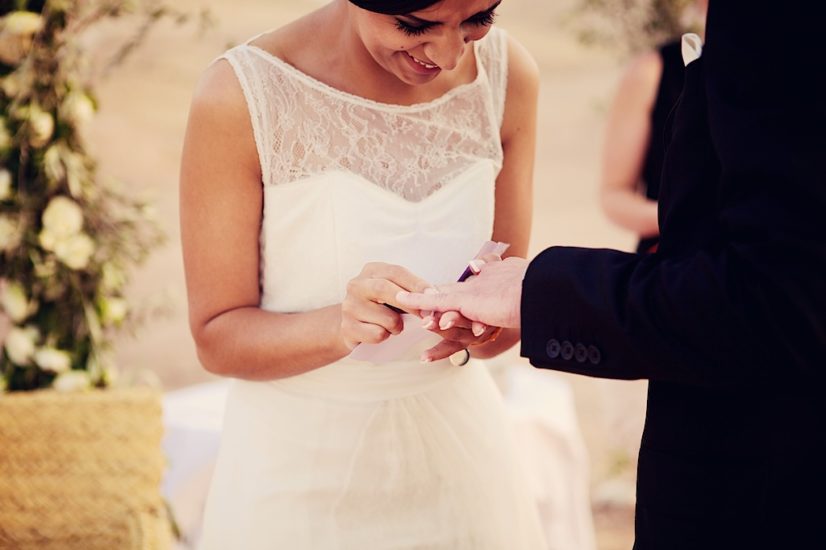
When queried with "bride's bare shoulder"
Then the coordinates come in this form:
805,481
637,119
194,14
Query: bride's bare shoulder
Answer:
219,123
219,92
291,42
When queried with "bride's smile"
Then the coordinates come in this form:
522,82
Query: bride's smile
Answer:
419,46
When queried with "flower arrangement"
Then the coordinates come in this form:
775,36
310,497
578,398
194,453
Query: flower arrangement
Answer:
67,241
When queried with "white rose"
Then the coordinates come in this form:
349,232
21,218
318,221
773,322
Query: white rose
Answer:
5,184
41,125
20,345
77,108
75,251
14,302
53,360
16,32
9,235
113,310
13,48
15,82
71,381
22,23
62,218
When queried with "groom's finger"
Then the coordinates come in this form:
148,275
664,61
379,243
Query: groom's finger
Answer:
443,299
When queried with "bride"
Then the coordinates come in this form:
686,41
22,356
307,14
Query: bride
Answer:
369,147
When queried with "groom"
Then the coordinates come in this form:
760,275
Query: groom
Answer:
728,319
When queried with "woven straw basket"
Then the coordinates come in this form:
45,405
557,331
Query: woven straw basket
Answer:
82,471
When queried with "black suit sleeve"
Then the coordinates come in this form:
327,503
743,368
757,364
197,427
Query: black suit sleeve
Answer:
738,289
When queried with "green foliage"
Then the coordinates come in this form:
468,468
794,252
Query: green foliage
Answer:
67,240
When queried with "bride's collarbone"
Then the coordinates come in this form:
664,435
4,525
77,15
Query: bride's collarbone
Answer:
364,79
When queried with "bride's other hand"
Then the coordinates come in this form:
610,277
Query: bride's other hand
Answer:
365,315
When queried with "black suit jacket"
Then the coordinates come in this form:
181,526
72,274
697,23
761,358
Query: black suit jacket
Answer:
728,319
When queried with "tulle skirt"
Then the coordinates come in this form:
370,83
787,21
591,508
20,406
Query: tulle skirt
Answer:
356,456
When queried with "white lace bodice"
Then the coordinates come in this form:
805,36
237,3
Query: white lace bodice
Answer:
361,453
304,127
348,181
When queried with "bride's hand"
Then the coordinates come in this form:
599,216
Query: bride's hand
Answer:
457,333
365,315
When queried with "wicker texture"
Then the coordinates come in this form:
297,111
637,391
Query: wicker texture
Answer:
82,471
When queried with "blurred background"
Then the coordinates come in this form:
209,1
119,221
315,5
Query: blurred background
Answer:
137,139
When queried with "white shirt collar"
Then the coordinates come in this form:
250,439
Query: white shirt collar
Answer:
692,47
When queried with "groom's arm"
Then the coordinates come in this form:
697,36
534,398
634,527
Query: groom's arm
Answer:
749,299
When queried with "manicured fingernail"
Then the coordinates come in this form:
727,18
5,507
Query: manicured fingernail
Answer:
475,265
478,330
445,324
429,324
425,359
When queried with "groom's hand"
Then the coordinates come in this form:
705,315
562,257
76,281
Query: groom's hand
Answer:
492,297
457,332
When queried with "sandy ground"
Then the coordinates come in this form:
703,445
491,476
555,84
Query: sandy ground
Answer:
138,137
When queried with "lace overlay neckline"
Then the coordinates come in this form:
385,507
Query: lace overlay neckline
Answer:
340,94
304,127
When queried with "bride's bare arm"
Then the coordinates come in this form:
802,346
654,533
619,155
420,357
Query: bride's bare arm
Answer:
221,199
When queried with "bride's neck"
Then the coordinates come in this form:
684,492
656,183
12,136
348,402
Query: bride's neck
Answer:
338,47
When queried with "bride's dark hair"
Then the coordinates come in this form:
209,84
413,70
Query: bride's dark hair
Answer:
391,7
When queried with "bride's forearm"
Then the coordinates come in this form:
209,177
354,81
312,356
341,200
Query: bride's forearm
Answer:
254,344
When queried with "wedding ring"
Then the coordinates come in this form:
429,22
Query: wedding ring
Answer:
491,337
460,358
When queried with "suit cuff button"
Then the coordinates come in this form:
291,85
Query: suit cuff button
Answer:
580,353
553,348
567,350
594,355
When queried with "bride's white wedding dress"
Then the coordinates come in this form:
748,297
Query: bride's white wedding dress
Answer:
357,455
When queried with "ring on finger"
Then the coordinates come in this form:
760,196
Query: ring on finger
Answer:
494,334
460,358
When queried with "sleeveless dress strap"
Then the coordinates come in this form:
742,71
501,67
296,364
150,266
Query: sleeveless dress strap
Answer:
247,70
493,56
